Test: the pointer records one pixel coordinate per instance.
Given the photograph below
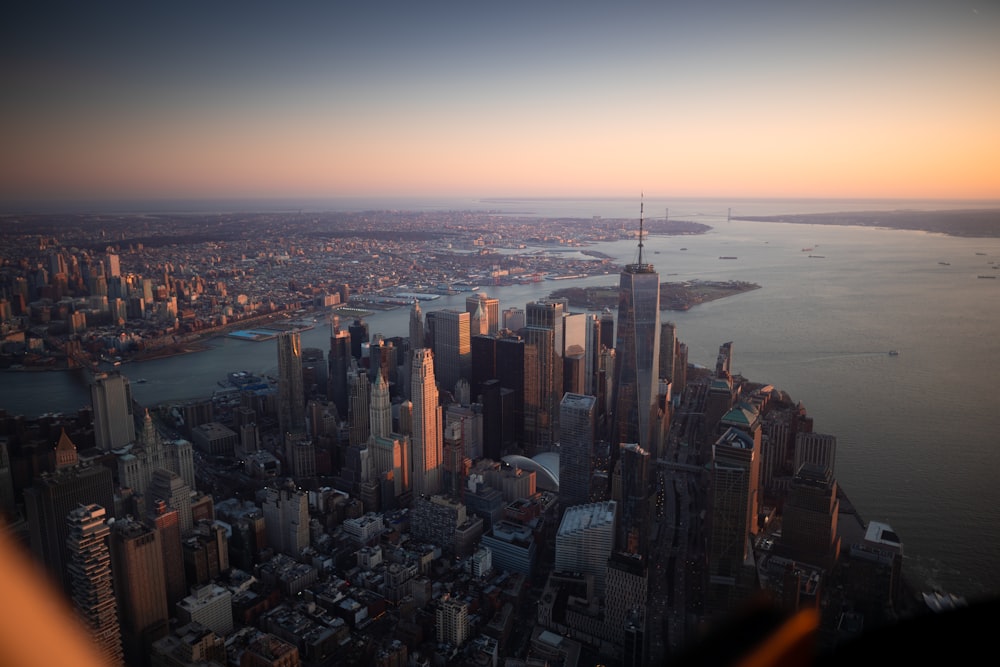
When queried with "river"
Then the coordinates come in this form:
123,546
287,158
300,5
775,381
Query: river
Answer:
916,432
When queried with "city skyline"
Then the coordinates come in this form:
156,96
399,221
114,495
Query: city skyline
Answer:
767,99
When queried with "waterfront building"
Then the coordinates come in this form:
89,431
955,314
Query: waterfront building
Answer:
428,430
291,390
89,570
140,587
815,448
809,518
576,451
585,541
359,334
637,354
111,396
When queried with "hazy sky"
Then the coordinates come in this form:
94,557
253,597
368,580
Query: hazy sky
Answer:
869,98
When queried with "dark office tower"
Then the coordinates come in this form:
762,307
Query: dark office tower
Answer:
511,373
359,335
635,470
452,347
427,426
166,522
417,338
734,474
359,417
8,505
112,401
54,495
314,371
592,354
543,374
809,518
724,362
680,368
607,329
637,354
668,351
291,394
484,362
140,586
627,591
89,570
493,423
171,489
490,311
382,361
339,362
576,424
381,409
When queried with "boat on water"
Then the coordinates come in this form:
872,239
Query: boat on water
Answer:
683,248
818,256
945,263
893,353
728,257
989,277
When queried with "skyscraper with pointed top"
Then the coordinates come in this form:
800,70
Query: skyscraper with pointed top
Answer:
637,349
427,426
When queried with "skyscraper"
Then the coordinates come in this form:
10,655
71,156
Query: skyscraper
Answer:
576,453
380,409
427,426
291,392
634,471
452,347
339,362
416,327
286,518
359,417
637,349
585,541
89,569
54,495
140,586
543,374
111,395
491,310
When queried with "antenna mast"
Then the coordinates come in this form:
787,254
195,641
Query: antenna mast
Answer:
640,228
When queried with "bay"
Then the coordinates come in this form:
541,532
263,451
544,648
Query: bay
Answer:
916,432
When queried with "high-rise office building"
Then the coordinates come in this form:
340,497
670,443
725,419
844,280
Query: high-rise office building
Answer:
513,319
576,423
815,448
637,349
417,338
339,362
359,417
140,586
286,518
380,409
543,374
166,523
89,569
452,347
359,334
111,395
427,426
627,588
734,482
668,351
479,323
54,495
291,391
585,541
809,518
491,310
634,469
171,489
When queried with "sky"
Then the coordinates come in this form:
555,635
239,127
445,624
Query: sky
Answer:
872,98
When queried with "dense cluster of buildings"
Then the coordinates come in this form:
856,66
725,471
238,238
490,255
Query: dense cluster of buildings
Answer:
505,486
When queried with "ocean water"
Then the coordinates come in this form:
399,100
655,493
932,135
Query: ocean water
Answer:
916,432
